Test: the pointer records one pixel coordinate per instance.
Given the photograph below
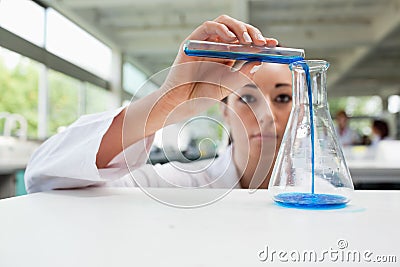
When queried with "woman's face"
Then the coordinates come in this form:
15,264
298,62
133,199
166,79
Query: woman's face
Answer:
341,121
258,113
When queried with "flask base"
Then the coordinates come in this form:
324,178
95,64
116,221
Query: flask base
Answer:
312,201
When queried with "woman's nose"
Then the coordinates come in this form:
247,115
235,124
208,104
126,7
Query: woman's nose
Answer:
265,118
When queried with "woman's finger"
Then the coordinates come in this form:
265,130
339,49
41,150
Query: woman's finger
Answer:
237,65
271,42
212,28
237,27
250,68
246,33
230,30
233,81
256,35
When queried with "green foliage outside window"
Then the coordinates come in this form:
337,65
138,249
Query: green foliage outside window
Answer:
64,101
19,92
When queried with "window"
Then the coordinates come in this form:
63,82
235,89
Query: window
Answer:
24,18
136,82
24,83
63,101
97,99
394,103
72,43
19,88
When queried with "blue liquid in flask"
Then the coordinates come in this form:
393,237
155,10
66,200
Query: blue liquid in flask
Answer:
310,200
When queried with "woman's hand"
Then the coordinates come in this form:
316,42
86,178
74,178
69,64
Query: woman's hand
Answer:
225,29
211,78
195,77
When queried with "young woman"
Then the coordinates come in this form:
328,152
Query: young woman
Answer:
110,149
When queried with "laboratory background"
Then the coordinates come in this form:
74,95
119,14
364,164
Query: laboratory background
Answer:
61,59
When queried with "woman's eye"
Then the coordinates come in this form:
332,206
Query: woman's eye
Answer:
248,99
283,98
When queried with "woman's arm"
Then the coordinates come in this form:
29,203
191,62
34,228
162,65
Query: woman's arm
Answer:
188,78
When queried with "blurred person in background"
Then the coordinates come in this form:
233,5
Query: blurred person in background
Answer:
380,131
347,136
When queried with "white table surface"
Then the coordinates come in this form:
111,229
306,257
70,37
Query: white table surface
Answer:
125,227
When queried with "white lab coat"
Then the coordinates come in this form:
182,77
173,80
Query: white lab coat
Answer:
348,137
68,160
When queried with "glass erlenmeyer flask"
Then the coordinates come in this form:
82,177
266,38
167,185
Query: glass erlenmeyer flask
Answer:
310,169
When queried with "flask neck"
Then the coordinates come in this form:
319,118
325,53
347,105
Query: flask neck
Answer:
317,70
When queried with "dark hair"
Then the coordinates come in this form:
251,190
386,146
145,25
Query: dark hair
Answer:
382,128
341,113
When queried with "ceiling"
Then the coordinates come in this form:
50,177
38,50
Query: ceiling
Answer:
360,38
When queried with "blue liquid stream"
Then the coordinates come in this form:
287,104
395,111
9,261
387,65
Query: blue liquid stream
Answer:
310,101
